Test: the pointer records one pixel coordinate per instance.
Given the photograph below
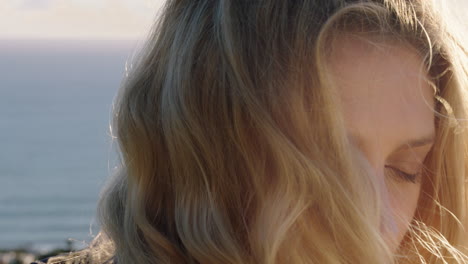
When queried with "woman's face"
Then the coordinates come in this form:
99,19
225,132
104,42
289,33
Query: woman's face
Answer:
387,106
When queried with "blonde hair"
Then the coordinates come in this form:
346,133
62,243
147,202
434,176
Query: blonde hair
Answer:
234,150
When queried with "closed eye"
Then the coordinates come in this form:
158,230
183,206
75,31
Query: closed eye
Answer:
401,175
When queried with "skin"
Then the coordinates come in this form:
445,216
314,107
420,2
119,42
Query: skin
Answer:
386,103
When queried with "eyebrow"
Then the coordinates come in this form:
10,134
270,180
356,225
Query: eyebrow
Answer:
418,142
413,143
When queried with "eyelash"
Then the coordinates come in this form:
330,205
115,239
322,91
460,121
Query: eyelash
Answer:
403,175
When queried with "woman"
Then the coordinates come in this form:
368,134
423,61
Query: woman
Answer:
309,131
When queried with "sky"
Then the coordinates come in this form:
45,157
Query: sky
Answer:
76,19
95,19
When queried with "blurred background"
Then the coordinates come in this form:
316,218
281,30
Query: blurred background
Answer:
61,64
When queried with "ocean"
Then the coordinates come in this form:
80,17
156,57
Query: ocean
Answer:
56,150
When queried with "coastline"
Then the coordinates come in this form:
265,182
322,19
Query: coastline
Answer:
26,255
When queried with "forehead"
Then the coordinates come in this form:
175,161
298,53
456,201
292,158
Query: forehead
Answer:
383,88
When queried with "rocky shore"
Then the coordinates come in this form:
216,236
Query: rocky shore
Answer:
27,255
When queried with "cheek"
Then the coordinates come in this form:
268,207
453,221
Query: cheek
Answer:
403,200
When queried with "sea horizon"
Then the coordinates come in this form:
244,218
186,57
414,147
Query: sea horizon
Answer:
56,100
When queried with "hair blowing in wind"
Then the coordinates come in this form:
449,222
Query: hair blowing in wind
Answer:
233,149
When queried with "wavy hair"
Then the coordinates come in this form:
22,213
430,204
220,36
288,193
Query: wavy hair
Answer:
233,149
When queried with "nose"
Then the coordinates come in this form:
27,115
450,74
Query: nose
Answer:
372,164
388,223
376,171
